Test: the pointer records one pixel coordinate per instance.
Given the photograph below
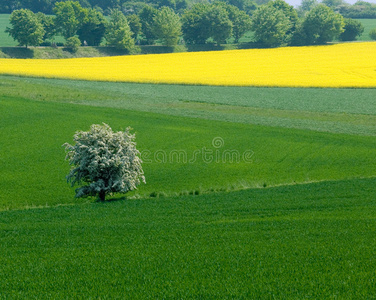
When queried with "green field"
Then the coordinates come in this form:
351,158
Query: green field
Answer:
368,25
251,193
292,142
5,39
293,242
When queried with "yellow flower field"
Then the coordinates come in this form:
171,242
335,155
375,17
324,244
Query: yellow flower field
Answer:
341,65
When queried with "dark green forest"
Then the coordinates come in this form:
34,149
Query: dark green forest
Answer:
359,10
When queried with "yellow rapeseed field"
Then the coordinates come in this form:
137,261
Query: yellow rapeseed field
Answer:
340,65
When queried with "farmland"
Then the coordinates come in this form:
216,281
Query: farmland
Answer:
342,65
289,214
368,24
313,240
6,40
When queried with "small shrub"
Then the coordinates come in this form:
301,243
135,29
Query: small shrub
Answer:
372,34
353,28
153,194
73,44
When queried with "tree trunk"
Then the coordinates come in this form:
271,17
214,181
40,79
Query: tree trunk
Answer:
102,195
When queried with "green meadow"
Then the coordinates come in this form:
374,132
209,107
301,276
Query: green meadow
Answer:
290,242
250,193
6,40
368,24
191,143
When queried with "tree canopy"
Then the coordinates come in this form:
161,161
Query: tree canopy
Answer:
167,26
92,28
270,26
322,25
274,24
69,17
26,28
351,30
118,32
104,162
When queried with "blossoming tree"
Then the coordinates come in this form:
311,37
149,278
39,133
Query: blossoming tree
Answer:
104,162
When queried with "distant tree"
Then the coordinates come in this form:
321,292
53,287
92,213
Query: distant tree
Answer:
118,32
333,4
104,162
48,23
181,5
6,7
298,37
261,2
219,24
132,7
73,44
352,29
106,5
25,28
322,25
270,26
168,3
241,22
248,6
359,10
69,17
167,26
135,25
147,15
92,28
372,34
194,27
35,6
306,6
288,10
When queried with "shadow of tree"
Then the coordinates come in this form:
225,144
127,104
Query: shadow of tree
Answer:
18,52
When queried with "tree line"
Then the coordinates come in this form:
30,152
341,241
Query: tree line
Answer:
358,10
273,24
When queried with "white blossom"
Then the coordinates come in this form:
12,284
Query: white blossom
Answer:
104,162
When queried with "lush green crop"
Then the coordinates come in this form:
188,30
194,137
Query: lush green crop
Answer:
301,241
33,166
5,39
293,241
368,25
179,153
335,110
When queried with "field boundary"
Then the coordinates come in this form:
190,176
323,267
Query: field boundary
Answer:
118,197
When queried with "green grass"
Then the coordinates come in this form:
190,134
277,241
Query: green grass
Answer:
368,25
332,110
295,221
34,127
293,242
5,39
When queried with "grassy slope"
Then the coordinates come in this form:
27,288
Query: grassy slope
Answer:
333,110
32,159
312,240
303,241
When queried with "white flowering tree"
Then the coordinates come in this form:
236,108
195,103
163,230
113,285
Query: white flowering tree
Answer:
104,162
